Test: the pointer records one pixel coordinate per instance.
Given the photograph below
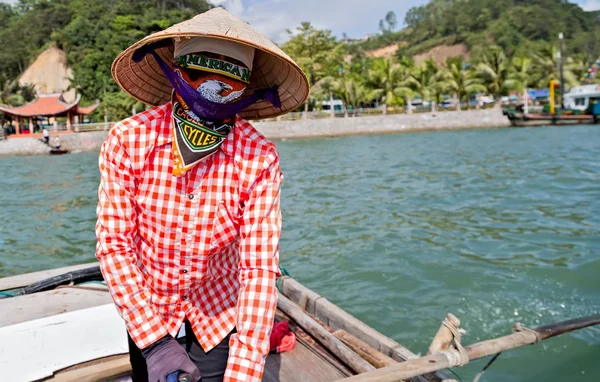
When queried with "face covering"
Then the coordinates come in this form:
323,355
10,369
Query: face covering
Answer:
199,105
195,138
205,102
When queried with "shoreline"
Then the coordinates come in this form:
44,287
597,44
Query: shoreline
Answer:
304,128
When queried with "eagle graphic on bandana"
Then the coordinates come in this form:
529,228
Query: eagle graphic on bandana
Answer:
218,80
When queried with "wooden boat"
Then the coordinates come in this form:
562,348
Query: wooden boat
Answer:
519,119
72,331
58,151
83,318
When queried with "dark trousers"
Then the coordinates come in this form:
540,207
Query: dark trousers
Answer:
211,364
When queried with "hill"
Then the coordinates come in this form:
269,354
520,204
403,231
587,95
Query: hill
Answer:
91,33
49,73
514,25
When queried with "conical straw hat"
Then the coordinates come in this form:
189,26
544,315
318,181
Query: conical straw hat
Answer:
146,82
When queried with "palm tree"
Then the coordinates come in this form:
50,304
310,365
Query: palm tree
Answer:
386,76
352,90
546,64
404,91
458,79
522,76
494,69
418,81
324,89
422,80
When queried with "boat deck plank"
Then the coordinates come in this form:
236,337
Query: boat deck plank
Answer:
45,304
299,365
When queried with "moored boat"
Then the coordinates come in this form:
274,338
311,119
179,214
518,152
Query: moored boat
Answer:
582,106
58,151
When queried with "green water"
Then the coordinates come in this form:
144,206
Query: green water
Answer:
493,225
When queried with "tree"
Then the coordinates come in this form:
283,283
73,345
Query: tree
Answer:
386,76
457,78
353,91
315,50
522,76
494,69
425,83
390,19
546,63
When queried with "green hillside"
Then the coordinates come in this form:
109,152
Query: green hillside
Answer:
91,32
514,25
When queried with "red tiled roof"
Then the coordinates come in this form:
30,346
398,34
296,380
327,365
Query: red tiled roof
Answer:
48,105
85,110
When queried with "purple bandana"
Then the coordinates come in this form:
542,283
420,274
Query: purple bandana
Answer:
201,106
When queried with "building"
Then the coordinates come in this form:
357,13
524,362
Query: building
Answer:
45,110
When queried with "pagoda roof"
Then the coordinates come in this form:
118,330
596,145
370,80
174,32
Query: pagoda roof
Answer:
48,105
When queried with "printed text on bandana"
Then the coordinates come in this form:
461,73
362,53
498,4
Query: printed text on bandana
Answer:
195,136
194,61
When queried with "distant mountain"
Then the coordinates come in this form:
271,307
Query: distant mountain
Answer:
514,25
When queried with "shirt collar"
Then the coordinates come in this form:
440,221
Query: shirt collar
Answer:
165,133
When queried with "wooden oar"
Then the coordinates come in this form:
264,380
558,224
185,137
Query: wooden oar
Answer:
449,358
328,340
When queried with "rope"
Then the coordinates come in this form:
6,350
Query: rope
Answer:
463,356
518,328
284,272
478,376
7,293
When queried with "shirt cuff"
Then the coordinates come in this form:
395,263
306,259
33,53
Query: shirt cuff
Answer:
244,370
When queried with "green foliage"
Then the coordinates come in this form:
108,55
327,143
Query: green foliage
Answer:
92,33
509,24
13,94
317,52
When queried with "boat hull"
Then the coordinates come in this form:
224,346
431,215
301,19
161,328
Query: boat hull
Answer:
73,306
534,119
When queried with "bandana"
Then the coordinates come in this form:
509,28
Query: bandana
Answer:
196,138
209,104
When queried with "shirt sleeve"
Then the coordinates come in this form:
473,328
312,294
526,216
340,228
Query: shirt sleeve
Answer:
259,269
115,249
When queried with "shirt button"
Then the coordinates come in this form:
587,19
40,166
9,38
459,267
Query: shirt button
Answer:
184,271
184,298
191,196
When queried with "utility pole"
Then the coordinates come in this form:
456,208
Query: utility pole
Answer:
562,74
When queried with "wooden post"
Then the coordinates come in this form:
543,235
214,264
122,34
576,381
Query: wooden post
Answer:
327,339
30,125
69,121
444,336
450,358
17,126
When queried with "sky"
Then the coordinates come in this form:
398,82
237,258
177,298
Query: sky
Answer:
354,17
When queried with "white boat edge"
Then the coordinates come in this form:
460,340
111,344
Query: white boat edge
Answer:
36,349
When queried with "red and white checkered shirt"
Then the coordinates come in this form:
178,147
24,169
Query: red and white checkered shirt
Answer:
204,246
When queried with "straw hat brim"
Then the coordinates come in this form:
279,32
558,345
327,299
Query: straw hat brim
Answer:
272,67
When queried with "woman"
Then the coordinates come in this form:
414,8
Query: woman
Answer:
188,214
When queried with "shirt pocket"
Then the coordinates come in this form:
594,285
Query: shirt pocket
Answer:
225,229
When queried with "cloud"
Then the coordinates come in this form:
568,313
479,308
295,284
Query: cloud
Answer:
590,5
354,17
